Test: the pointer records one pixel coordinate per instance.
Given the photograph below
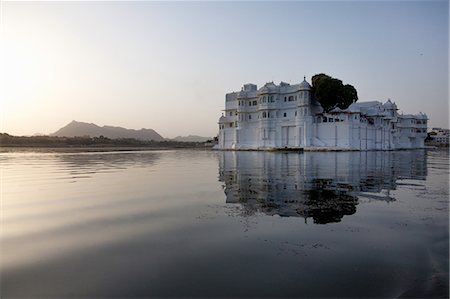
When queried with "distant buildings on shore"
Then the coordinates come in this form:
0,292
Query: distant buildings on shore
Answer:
439,136
286,116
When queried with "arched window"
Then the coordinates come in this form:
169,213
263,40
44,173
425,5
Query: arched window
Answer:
264,115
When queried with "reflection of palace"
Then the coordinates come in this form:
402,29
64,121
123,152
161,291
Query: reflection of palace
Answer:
321,185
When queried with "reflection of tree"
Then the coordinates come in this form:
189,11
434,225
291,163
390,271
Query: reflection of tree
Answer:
325,205
321,186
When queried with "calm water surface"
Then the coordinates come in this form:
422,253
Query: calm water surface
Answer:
224,224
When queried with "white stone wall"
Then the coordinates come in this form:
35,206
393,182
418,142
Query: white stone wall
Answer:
276,117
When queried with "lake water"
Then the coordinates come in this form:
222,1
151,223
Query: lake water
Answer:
186,223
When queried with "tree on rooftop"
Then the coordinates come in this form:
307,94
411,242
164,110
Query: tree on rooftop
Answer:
331,92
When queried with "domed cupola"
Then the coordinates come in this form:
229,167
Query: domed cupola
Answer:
269,87
304,85
242,94
223,119
388,105
423,115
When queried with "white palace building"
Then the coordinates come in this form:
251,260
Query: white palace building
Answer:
286,117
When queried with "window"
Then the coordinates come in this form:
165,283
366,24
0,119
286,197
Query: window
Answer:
296,98
285,99
268,114
325,119
250,116
284,114
264,115
255,103
330,120
231,113
295,113
231,125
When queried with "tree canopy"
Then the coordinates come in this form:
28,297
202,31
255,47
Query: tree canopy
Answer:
331,92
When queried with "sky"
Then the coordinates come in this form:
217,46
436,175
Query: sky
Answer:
168,65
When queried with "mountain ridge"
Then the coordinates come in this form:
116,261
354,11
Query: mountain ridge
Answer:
78,129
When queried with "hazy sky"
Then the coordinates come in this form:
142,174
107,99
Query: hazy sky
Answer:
167,66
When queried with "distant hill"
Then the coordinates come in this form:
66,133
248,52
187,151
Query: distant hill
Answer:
191,138
76,128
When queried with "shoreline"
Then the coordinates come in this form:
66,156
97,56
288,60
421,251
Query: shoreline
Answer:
95,149
92,149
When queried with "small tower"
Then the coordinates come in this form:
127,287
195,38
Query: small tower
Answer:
305,91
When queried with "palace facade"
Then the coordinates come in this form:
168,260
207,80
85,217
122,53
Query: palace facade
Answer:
285,116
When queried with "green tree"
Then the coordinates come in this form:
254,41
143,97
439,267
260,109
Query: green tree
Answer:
331,92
